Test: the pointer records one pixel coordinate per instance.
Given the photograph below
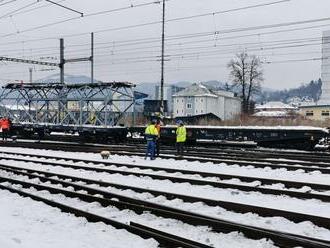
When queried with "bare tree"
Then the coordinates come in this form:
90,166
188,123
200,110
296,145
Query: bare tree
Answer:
246,73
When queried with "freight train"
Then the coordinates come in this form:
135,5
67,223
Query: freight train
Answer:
296,137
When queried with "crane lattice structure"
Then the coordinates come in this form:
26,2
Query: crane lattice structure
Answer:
99,104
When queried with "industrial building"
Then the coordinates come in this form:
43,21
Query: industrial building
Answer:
321,110
198,100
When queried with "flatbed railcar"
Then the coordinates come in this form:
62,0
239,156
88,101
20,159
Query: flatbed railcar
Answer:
293,137
296,137
88,133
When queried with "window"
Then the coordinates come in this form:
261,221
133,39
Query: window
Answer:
177,100
201,99
189,106
309,113
325,113
177,111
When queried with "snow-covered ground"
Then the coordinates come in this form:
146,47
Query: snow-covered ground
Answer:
26,223
275,223
314,207
201,234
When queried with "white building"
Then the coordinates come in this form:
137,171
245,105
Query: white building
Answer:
275,109
325,97
198,100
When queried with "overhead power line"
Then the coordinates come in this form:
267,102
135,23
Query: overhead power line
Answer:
84,16
65,7
35,8
10,14
5,3
142,24
228,11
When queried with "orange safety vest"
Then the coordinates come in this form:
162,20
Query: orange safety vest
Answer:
5,124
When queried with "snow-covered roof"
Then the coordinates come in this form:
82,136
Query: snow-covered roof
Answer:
196,90
271,114
274,105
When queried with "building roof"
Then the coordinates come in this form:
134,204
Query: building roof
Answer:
271,114
274,105
316,106
196,90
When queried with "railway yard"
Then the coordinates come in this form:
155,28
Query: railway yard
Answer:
211,197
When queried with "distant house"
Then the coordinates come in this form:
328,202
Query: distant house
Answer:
275,109
197,100
315,112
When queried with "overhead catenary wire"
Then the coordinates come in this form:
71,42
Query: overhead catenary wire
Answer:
306,41
224,37
8,2
141,24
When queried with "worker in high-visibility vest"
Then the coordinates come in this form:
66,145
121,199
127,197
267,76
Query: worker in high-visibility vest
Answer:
151,134
181,137
5,124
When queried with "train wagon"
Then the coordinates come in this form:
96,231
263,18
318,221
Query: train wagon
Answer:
297,137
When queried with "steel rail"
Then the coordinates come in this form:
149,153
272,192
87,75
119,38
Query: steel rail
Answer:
231,206
227,161
263,190
221,176
242,151
72,148
280,238
166,239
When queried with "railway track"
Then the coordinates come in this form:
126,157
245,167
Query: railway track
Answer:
87,190
281,239
247,179
202,150
237,207
177,179
210,147
210,157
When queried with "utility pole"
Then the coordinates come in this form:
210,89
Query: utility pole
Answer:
92,58
162,65
30,72
62,62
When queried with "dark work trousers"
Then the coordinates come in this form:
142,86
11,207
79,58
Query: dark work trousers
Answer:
179,148
157,147
151,145
4,134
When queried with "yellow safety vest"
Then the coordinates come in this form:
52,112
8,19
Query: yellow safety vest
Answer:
151,130
181,134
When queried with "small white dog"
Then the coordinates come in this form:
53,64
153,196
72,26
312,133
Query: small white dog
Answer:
105,154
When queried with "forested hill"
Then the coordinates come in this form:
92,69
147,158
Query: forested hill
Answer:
306,92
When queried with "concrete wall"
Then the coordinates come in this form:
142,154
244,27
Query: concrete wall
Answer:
233,107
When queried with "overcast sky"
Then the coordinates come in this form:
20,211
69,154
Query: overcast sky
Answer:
132,54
